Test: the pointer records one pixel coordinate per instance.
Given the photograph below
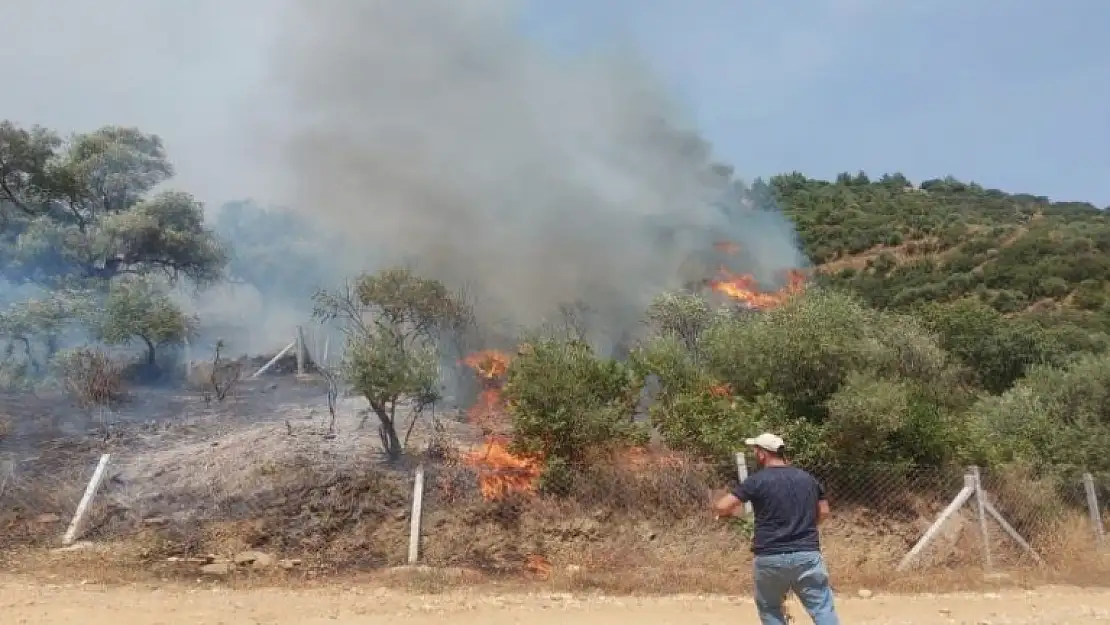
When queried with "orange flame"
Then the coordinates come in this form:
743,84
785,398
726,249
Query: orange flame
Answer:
720,390
745,289
500,471
488,364
538,565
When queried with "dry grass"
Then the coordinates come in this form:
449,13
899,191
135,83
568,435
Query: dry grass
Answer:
622,529
92,378
217,378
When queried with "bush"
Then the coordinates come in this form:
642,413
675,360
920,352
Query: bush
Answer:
996,349
90,376
683,316
141,309
805,351
1054,420
837,379
880,420
395,322
217,378
565,402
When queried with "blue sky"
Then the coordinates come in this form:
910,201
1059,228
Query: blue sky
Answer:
1010,93
1013,94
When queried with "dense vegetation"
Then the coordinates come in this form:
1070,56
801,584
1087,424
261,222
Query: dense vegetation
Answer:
947,323
88,247
897,245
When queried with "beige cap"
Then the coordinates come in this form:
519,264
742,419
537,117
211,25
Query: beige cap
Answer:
767,441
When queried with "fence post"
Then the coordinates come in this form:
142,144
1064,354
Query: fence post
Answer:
188,355
1092,507
930,534
417,512
7,473
981,510
301,348
86,500
742,474
273,361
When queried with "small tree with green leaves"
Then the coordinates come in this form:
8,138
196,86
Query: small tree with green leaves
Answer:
394,321
566,402
681,315
140,309
30,330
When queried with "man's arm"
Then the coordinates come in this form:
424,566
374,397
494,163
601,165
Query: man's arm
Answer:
726,506
822,511
822,504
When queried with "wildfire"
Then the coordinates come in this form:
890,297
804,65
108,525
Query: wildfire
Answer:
538,566
727,247
745,289
500,471
720,390
489,364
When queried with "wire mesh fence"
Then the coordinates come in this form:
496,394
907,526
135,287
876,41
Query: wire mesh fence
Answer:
641,519
37,499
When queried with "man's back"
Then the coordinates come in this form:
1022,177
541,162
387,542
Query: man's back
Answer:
784,499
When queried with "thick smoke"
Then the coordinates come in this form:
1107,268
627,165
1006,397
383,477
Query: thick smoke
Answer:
434,133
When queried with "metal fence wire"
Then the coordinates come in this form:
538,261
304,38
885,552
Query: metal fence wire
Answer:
644,513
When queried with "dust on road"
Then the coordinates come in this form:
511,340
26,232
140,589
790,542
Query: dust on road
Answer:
23,602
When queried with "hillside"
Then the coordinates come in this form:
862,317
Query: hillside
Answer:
1007,280
898,245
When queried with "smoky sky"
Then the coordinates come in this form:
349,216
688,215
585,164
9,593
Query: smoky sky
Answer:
425,132
434,134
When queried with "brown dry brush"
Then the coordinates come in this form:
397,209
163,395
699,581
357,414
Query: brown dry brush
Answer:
92,378
610,526
224,375
37,499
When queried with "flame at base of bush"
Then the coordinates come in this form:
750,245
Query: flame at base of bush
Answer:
501,472
745,289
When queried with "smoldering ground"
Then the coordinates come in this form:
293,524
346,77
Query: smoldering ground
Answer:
434,133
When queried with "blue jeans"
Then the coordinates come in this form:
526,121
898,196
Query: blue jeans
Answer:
803,572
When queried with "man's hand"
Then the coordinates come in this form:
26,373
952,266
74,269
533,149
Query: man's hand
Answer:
714,496
726,505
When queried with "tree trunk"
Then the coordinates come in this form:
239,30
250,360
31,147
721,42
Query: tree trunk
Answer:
149,351
388,431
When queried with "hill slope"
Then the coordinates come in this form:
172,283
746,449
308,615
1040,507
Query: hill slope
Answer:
898,245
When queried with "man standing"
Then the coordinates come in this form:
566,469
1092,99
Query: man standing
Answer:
789,504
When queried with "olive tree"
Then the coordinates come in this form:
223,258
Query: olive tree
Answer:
841,380
141,309
30,330
394,321
84,209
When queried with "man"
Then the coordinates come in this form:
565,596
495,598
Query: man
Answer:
789,504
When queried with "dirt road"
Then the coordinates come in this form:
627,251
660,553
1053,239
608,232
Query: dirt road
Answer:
23,602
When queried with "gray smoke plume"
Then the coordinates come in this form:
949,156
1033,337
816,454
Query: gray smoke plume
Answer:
433,132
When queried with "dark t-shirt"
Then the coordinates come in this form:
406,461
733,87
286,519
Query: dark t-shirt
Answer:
784,499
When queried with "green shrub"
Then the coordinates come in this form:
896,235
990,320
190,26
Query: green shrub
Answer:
566,402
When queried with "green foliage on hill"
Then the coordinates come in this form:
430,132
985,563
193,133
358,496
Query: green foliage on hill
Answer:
898,245
1005,280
